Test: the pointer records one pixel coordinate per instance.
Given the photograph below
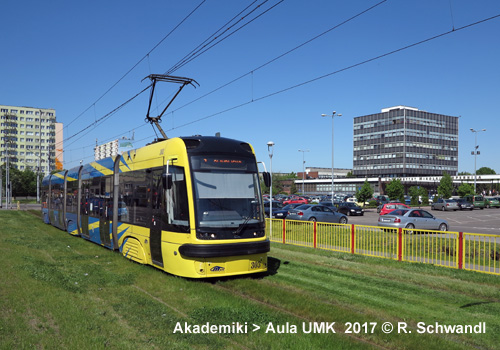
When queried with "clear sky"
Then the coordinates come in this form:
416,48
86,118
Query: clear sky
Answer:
77,57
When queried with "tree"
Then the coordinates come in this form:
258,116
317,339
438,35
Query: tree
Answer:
465,189
414,193
395,190
425,195
23,182
364,193
485,171
445,187
349,174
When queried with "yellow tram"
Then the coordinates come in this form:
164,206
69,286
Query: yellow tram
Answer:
190,206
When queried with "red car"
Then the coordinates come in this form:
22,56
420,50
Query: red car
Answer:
388,207
294,200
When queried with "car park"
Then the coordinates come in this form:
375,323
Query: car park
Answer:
492,203
412,219
321,213
349,208
382,199
445,204
464,205
477,201
276,206
283,212
331,205
293,200
388,207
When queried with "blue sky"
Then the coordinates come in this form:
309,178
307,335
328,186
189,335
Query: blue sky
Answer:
65,55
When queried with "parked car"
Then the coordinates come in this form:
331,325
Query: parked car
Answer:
293,200
477,201
283,212
492,203
315,199
321,213
445,204
412,219
388,207
331,205
276,206
349,208
464,205
381,200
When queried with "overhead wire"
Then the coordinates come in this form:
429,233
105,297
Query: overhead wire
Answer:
188,58
207,39
454,30
280,56
136,64
147,55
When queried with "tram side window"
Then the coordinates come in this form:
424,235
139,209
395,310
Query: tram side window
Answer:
56,197
134,201
177,202
71,197
44,196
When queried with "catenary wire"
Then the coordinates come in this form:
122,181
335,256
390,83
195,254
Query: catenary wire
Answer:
279,57
135,65
454,30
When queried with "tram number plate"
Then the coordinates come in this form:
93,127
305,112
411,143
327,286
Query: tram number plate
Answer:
254,265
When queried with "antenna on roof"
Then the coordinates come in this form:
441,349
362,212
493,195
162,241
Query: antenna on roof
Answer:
169,79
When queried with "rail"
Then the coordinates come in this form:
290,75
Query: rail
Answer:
459,250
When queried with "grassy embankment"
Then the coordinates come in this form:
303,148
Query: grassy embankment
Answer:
59,291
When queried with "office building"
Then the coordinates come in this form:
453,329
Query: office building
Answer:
405,141
28,138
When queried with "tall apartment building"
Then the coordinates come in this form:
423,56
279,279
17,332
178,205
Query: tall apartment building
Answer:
404,141
28,137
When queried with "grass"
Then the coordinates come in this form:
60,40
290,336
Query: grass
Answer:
60,291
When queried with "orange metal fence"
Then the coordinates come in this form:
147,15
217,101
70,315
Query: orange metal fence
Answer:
469,251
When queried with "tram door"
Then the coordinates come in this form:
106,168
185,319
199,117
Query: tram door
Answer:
157,214
105,210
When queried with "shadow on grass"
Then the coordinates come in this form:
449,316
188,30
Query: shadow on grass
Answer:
273,264
475,304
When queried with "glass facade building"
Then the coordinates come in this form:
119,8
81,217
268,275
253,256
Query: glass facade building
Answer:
405,141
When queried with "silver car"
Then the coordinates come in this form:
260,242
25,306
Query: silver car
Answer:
321,213
412,219
445,204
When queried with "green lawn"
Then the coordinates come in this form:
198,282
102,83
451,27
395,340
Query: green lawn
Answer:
59,291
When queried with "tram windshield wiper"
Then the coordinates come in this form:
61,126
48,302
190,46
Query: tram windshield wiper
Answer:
242,225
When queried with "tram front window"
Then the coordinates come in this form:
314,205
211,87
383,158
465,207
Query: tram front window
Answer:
228,204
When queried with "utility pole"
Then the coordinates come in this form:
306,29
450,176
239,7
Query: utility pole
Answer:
39,158
7,146
1,184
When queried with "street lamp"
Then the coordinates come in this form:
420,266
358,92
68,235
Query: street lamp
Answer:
270,149
334,114
303,170
475,153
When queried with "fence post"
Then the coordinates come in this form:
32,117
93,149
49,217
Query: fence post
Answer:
352,239
460,250
284,231
315,233
400,244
